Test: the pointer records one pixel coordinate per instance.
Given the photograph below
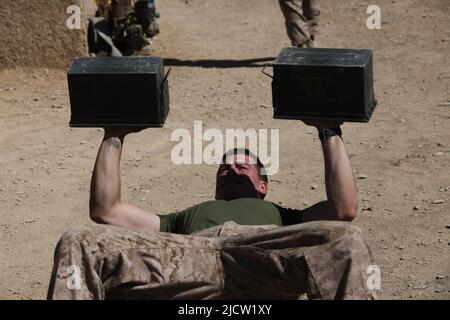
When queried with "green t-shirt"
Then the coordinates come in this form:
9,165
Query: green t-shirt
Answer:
243,211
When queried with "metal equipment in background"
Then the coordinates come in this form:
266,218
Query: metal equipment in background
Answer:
122,27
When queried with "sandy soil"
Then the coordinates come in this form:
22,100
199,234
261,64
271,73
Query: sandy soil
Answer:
34,33
403,154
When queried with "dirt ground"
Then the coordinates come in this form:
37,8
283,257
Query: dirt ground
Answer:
34,33
402,155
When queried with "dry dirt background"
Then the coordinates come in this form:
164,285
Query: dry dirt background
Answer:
403,153
34,34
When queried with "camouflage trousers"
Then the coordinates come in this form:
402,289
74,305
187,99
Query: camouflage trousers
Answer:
316,260
302,19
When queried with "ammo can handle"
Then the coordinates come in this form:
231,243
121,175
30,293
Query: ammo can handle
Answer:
270,76
164,79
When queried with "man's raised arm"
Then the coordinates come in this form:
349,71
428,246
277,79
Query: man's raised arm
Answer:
342,194
105,205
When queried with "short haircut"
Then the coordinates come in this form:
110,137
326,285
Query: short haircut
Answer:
247,152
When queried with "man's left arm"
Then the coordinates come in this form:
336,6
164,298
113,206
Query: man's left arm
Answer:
342,194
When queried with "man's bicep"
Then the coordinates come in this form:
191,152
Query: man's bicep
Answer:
133,217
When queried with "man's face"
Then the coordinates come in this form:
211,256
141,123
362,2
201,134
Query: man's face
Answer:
239,178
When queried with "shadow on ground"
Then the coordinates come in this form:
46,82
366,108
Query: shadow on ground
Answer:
247,63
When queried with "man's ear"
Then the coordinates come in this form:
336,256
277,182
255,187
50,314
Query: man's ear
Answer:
263,188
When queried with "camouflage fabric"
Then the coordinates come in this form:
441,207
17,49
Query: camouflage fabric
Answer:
324,260
302,19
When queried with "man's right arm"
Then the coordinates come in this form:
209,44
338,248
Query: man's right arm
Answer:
105,205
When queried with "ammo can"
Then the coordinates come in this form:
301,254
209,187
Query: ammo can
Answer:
323,84
118,92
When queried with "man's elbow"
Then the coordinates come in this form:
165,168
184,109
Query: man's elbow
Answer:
99,214
347,213
96,216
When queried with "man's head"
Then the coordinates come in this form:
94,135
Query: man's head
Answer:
241,175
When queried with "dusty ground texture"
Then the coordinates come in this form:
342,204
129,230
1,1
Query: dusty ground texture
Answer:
34,33
402,156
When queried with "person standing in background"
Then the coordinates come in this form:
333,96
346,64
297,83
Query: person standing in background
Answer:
302,21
